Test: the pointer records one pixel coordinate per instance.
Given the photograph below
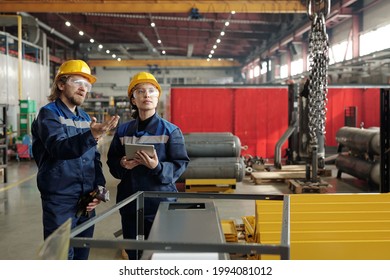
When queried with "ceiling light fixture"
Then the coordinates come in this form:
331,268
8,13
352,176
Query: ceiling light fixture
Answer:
227,23
153,25
82,33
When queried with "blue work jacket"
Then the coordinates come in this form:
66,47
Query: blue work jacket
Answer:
168,141
66,152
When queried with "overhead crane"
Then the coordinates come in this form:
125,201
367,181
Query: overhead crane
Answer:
152,6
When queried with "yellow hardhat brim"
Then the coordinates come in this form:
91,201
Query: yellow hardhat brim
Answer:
90,78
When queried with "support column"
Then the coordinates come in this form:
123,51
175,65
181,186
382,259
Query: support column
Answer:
385,140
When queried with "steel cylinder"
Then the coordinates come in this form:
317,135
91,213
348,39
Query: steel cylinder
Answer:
362,169
360,140
223,144
215,168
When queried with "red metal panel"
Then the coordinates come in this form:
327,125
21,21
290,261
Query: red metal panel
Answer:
371,107
366,101
250,120
258,116
261,117
334,115
202,109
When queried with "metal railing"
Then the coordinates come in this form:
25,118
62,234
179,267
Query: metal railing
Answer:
282,249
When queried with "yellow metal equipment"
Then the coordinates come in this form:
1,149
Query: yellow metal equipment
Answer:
209,185
329,226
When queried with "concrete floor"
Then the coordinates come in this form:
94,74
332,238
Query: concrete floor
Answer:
20,208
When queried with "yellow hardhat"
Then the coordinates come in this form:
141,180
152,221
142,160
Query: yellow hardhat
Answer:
143,77
76,67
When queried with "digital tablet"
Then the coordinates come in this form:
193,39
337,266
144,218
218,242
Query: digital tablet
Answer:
131,149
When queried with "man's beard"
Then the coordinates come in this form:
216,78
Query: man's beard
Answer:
76,100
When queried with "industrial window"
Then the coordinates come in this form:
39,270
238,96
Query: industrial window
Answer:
340,52
296,67
374,40
256,71
176,81
250,74
263,69
284,71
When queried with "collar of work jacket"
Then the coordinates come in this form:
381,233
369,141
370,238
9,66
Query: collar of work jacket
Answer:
67,112
151,128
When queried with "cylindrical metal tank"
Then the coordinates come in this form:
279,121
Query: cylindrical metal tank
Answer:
362,169
223,144
360,140
215,168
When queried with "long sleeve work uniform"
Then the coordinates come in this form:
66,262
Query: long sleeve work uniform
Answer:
168,141
69,166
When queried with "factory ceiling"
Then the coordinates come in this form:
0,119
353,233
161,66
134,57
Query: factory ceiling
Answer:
171,32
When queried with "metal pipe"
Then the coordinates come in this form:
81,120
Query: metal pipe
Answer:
20,62
212,145
360,140
314,164
215,168
50,29
279,144
20,53
362,169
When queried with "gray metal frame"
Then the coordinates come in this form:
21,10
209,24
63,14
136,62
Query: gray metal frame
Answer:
385,136
282,249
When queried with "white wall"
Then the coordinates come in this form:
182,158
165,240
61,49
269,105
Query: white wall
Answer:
35,85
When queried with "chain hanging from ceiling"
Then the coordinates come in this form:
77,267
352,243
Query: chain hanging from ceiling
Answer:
318,78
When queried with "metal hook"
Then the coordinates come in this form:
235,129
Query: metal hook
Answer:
311,8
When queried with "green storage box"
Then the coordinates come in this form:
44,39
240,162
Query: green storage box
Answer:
27,106
25,121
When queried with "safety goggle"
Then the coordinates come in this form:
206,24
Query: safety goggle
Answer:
81,83
152,92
